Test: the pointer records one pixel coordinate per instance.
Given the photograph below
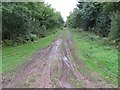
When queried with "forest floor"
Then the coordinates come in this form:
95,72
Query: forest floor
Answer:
55,66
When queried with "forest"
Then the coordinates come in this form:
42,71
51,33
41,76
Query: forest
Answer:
26,21
100,18
42,49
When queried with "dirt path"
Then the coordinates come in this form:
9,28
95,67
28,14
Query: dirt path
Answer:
54,67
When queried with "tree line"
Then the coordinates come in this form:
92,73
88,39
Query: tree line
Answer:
27,21
102,18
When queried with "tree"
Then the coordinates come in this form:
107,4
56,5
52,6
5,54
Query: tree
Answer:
101,18
27,21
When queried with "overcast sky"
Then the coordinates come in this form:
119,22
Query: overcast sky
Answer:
63,6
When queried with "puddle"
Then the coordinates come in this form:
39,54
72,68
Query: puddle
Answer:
65,59
57,43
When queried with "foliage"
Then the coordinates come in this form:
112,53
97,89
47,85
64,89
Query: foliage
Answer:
115,26
96,17
27,21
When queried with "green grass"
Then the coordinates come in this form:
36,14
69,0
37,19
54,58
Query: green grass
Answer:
14,56
98,57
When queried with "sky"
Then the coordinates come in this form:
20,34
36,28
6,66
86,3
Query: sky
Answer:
63,6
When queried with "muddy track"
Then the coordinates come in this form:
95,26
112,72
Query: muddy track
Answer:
55,66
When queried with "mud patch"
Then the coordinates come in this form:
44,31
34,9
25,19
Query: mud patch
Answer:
53,67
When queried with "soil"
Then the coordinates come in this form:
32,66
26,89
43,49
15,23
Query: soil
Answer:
55,66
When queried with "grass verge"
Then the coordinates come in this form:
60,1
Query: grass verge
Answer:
100,58
13,56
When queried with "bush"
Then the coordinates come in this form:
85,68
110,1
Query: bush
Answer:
115,20
26,21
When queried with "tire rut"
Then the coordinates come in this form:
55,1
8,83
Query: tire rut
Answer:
51,67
